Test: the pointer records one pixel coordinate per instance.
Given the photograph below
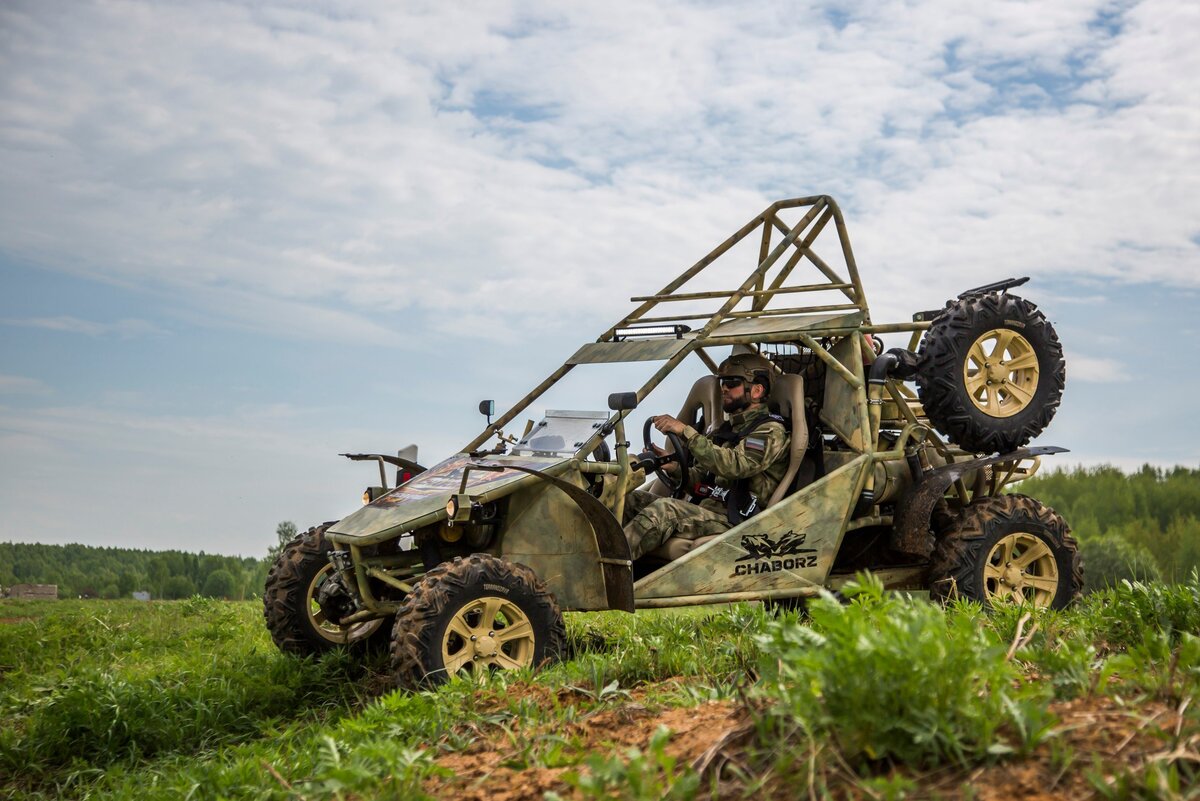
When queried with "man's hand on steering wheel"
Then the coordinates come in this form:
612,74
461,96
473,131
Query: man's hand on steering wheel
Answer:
667,424
672,468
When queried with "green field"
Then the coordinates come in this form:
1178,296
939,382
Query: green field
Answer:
887,697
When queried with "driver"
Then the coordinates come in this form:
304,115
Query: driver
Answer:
741,463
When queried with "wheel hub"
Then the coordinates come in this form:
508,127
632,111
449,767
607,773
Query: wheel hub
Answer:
1001,373
488,632
328,602
1021,568
485,646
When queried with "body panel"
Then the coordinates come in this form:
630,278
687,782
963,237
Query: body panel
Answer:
840,410
635,350
423,499
791,545
548,532
806,323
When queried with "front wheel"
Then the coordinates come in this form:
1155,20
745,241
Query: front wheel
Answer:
471,615
298,622
1008,549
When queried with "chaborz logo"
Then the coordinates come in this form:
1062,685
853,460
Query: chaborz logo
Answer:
765,555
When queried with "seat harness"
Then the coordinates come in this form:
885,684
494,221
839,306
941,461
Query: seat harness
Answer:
740,502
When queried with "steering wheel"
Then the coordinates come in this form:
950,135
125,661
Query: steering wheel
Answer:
677,483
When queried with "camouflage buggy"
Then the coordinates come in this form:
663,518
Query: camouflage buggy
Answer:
898,459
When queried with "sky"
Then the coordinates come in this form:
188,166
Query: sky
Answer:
238,239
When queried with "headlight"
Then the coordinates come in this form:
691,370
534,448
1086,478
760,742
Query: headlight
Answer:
459,509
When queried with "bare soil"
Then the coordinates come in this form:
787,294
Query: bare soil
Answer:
715,735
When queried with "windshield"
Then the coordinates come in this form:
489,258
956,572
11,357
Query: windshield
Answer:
560,433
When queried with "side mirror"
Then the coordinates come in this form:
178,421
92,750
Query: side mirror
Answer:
622,401
487,408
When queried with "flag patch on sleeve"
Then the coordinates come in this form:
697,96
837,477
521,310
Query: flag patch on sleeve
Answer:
756,444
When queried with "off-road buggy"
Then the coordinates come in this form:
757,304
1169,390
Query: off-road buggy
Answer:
468,565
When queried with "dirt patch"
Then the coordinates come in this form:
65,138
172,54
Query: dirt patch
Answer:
14,619
502,768
1090,728
1093,734
515,764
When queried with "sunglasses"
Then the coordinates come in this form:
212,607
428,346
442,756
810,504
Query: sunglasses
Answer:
732,381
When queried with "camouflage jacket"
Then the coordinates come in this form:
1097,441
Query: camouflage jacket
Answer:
761,456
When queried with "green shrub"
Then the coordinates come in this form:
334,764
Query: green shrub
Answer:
1120,617
888,677
1111,559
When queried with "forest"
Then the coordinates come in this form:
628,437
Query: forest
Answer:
1144,525
84,571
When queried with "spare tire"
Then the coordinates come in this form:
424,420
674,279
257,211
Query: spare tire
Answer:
990,372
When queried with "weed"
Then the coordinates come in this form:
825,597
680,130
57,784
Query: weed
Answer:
1167,667
122,700
374,767
1121,615
891,678
635,775
889,788
1155,781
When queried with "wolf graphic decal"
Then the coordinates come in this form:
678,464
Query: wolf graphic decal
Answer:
760,546
767,556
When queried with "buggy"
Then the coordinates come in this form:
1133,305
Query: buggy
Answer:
897,464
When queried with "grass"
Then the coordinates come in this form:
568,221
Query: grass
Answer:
120,699
890,679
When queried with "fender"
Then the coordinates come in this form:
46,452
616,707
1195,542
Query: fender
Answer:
911,533
615,561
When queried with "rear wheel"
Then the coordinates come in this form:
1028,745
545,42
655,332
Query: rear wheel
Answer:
1008,549
471,615
298,621
991,372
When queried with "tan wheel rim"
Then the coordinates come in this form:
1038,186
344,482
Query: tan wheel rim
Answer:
488,632
340,635
1001,373
1021,569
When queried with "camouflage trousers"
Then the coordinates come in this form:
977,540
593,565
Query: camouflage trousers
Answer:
650,520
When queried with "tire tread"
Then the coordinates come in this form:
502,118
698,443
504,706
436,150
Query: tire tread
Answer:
960,550
939,372
415,628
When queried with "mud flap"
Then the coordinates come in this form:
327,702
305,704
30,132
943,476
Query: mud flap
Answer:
911,532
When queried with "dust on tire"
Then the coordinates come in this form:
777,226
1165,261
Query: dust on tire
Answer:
287,599
423,619
957,569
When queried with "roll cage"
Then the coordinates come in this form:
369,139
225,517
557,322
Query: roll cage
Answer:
672,323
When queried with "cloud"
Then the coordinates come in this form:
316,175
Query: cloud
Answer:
358,164
454,178
1096,370
22,385
125,329
141,478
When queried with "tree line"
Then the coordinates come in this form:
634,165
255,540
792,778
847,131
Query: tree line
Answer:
1144,525
91,572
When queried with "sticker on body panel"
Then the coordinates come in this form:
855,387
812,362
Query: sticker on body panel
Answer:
765,555
445,478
